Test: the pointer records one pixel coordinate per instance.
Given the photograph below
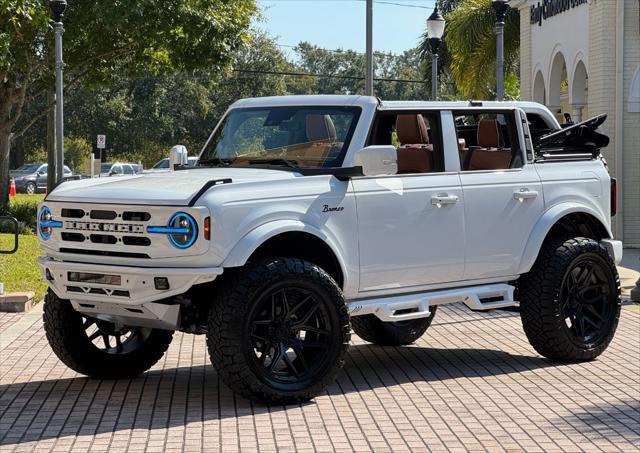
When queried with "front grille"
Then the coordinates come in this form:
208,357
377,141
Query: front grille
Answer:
72,237
97,214
136,241
129,216
103,239
114,227
73,213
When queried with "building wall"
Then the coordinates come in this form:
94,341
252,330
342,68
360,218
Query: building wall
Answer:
590,30
631,125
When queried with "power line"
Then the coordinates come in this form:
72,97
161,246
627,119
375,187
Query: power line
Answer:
376,53
329,76
384,2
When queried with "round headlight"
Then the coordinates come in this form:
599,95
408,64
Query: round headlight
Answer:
43,219
186,230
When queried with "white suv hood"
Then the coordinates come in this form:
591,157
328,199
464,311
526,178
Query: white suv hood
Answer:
169,189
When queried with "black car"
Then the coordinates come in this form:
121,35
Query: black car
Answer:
31,178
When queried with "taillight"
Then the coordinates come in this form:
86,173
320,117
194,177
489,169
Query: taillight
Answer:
614,196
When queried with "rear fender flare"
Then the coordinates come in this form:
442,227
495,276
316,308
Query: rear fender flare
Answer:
544,225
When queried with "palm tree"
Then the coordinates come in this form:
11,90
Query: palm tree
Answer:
471,44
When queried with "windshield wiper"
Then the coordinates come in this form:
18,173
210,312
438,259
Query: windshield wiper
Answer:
215,161
282,162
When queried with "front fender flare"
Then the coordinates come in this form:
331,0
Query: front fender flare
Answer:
544,225
249,243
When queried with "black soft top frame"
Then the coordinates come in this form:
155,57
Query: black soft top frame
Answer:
578,141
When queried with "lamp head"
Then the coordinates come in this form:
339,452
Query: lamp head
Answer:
57,8
435,24
500,7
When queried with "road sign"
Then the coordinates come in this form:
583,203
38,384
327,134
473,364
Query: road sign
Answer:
102,141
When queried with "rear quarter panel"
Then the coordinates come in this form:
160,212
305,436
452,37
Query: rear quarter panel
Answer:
568,187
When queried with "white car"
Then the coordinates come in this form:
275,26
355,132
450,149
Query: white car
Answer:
163,165
311,215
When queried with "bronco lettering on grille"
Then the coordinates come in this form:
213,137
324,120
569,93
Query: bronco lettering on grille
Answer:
99,226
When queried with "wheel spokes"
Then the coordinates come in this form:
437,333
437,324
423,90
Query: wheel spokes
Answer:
95,335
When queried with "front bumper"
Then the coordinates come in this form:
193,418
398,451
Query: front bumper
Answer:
132,300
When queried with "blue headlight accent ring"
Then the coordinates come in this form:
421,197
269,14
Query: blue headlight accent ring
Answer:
46,223
192,229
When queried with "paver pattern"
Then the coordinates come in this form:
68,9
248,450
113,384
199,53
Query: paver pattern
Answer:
7,319
471,383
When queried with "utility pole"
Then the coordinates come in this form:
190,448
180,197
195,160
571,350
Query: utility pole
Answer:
369,51
57,8
500,7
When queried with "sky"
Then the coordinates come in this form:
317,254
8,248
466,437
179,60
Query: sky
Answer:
334,24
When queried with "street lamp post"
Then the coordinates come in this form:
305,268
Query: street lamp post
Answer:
57,8
435,30
500,7
369,50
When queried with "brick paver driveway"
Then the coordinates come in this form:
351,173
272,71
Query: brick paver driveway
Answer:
472,383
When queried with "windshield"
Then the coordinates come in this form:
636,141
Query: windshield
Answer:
29,168
306,136
104,168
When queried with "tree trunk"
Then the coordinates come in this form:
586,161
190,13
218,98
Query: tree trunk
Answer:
51,140
5,145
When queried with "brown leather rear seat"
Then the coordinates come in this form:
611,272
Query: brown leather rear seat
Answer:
489,154
415,154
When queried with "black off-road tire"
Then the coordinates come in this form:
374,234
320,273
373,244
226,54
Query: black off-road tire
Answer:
232,324
68,339
370,328
544,301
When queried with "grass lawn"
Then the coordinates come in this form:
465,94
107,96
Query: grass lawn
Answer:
23,198
20,272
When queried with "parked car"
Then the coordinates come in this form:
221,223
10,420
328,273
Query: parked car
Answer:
308,216
32,178
163,165
119,169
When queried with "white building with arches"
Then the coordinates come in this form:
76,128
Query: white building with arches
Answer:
582,57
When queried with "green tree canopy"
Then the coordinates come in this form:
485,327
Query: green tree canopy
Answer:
470,50
106,41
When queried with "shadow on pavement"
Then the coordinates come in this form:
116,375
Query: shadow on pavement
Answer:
170,397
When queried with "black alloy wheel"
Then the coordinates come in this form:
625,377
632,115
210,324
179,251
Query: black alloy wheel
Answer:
290,335
570,300
98,348
278,330
112,339
585,298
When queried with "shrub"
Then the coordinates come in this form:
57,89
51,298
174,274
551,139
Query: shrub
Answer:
24,208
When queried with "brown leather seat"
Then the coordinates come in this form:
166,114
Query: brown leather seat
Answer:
320,128
489,154
415,154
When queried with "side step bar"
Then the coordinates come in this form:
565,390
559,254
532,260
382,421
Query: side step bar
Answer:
413,306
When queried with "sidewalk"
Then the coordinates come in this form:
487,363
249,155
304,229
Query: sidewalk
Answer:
472,382
629,270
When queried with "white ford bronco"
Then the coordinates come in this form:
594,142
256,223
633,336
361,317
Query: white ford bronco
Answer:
309,216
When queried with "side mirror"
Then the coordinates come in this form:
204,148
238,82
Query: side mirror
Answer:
377,160
178,156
